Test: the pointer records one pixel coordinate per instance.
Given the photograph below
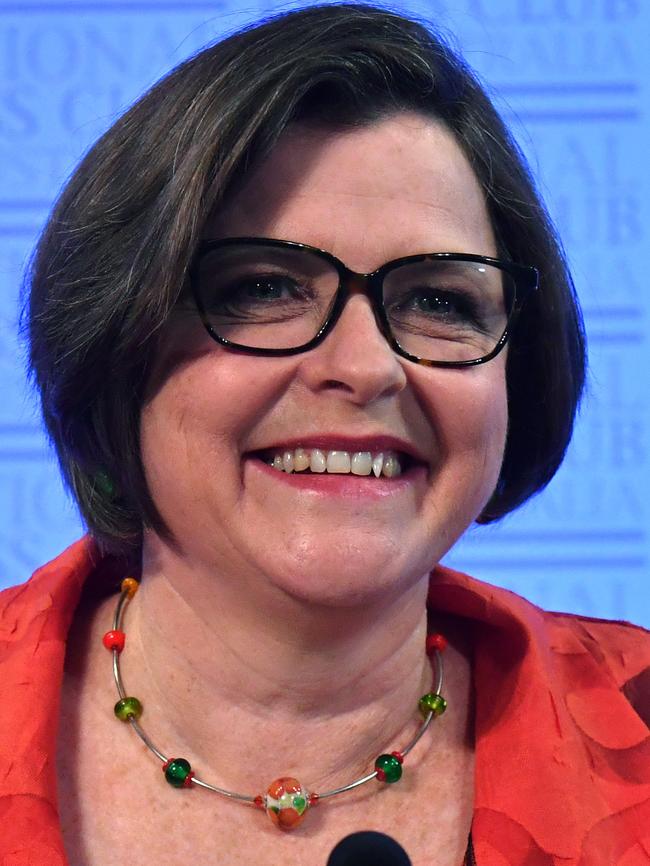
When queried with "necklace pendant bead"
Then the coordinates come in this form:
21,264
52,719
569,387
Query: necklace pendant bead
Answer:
286,802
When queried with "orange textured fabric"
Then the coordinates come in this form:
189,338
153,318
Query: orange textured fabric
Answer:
562,757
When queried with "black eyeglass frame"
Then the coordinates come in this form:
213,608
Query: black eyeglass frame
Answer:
525,278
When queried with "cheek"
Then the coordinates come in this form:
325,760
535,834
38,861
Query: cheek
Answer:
470,415
183,427
185,444
163,440
202,407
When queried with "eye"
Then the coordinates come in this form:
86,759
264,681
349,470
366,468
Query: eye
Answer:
263,288
442,304
437,302
256,294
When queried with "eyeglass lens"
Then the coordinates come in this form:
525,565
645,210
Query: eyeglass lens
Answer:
279,298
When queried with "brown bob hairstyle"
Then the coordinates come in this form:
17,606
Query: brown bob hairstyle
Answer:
114,256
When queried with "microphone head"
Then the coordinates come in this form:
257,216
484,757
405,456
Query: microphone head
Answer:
368,848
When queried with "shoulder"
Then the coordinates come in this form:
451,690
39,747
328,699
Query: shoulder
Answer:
619,647
615,637
621,643
560,711
591,661
51,584
39,611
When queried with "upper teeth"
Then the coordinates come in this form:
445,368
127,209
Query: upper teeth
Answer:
339,462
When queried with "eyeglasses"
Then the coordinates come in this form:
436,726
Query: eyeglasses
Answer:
272,297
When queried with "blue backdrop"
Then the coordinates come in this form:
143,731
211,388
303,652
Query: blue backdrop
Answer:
571,78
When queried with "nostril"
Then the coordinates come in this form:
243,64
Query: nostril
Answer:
335,383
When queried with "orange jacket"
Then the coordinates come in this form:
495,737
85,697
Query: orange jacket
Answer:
562,757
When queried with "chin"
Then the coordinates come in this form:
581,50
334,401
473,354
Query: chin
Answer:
350,576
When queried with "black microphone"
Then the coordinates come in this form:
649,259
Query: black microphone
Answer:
368,849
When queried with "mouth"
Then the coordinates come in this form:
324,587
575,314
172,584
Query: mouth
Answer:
385,463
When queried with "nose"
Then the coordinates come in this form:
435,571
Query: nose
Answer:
355,357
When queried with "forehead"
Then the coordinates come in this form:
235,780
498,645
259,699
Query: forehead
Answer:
399,186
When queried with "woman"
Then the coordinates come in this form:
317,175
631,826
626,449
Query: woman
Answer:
268,323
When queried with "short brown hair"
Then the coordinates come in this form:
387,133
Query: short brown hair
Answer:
114,255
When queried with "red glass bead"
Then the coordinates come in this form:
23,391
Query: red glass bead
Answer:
114,640
399,756
436,642
314,799
259,802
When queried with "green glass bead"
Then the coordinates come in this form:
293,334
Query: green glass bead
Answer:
177,771
390,766
128,707
432,703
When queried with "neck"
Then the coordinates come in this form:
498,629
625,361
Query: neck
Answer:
250,683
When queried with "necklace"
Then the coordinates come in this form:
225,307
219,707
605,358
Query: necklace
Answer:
286,800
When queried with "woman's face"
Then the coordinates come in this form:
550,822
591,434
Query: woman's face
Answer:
397,187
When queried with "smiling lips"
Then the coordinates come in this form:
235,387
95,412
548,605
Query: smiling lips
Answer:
378,456
371,455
